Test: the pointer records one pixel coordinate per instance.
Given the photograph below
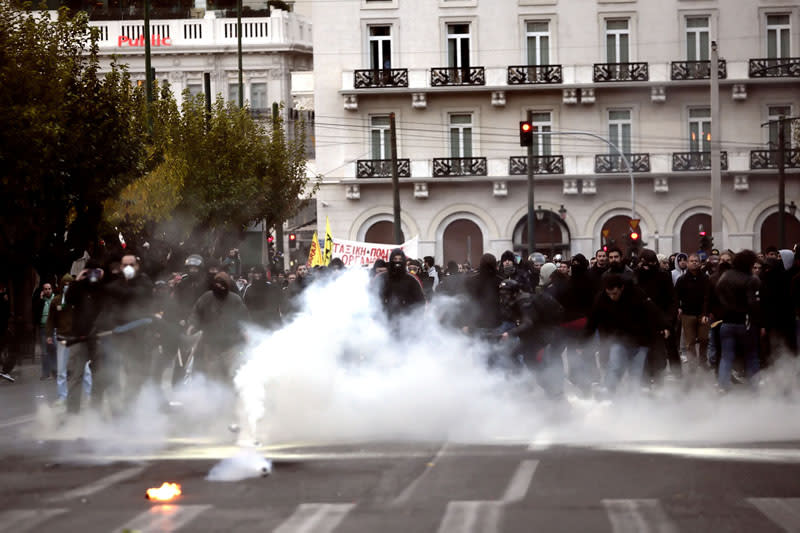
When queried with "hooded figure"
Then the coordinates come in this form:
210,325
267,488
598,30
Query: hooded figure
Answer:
399,291
679,271
219,314
483,309
545,273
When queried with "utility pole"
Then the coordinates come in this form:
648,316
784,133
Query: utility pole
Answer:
279,224
531,209
239,49
148,84
398,238
716,168
207,91
781,184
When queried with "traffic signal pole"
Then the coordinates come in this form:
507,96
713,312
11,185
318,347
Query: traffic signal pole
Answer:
716,164
531,194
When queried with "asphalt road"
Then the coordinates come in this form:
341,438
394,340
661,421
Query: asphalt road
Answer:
68,485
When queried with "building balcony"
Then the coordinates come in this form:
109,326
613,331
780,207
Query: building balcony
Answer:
768,159
372,78
687,161
127,36
696,70
605,72
788,67
542,164
534,74
382,168
444,76
446,167
607,163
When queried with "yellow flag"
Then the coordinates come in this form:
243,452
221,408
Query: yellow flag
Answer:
314,256
328,253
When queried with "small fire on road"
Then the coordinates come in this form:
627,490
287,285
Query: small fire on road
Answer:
164,493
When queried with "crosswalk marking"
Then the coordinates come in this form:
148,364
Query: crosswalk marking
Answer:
468,517
518,486
315,518
24,520
97,486
160,518
785,512
638,516
26,419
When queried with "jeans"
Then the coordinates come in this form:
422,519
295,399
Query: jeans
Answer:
624,357
48,354
62,358
733,338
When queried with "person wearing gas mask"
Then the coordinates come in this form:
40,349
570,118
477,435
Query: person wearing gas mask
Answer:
399,291
219,314
129,298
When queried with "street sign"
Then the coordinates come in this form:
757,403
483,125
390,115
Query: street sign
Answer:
635,223
606,232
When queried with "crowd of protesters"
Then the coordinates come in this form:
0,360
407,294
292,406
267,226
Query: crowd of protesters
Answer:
108,328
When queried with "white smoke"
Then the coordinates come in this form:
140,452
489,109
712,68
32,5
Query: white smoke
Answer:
338,372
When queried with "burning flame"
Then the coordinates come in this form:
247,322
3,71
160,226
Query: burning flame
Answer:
165,492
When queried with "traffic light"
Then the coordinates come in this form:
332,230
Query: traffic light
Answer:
525,133
634,237
292,241
270,239
706,241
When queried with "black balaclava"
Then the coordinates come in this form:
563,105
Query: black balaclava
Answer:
488,265
397,263
579,264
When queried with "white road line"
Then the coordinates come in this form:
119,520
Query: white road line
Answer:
785,512
638,516
162,518
469,517
25,419
518,486
24,520
100,484
404,496
315,518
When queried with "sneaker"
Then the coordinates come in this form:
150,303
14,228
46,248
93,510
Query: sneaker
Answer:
7,377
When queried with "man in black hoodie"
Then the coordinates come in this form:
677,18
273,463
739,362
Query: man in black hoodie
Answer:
737,291
657,285
691,289
399,291
483,291
629,321
263,299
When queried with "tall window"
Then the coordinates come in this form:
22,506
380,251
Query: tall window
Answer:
775,113
461,135
700,130
619,130
697,39
541,143
195,88
538,36
380,138
458,45
258,96
380,47
778,30
233,93
617,41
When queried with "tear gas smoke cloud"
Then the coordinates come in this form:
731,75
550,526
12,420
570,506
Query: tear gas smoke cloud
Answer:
247,463
338,372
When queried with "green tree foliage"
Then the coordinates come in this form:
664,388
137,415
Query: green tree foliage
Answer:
214,174
69,139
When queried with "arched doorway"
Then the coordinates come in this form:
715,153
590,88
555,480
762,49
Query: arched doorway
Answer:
769,231
614,233
552,235
382,233
690,232
463,241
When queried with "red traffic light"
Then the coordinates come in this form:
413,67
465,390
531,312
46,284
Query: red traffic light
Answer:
526,126
525,133
702,233
292,237
634,236
270,239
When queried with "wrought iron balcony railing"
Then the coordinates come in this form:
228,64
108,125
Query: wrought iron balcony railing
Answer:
458,76
697,70
389,77
785,67
621,72
444,167
534,74
682,161
382,168
607,163
542,164
764,159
